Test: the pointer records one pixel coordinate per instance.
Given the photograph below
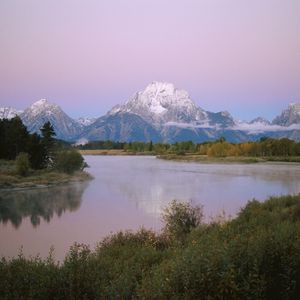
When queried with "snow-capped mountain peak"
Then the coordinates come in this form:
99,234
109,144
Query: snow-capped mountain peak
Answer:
165,94
160,103
42,105
9,112
86,121
289,116
260,120
42,111
295,108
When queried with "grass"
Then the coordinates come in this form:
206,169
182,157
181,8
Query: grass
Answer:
254,256
36,178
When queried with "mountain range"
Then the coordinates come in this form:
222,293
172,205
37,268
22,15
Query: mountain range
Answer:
160,113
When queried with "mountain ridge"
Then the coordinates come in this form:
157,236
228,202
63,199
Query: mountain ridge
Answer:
161,113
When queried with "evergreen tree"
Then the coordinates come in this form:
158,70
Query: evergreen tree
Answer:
13,138
37,152
47,142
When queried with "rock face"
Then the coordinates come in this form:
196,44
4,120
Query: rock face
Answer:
289,116
121,126
260,120
42,111
85,121
159,113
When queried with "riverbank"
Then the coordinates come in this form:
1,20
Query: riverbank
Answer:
36,178
193,157
113,152
227,159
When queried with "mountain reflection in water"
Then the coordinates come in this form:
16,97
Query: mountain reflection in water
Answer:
39,203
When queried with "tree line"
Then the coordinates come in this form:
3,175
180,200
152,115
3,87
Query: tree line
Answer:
16,139
36,151
265,147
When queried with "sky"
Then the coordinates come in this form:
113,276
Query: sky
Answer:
89,55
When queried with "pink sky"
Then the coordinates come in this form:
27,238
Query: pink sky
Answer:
236,55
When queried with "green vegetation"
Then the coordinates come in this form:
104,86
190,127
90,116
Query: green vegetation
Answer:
254,256
34,159
180,218
22,164
69,161
267,149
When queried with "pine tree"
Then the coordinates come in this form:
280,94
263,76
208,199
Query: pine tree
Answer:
48,134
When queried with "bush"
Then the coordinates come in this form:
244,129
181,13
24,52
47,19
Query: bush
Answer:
180,218
69,161
22,164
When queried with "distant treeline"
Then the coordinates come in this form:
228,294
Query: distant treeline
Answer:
265,147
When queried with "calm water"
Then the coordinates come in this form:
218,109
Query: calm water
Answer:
127,193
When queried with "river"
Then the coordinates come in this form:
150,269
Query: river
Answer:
129,192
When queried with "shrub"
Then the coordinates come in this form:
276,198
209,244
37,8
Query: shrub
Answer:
69,161
180,218
22,164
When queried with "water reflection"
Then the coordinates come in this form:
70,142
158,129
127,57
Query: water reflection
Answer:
39,204
150,184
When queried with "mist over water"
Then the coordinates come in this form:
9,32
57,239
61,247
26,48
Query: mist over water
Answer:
128,193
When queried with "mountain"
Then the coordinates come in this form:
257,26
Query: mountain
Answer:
86,121
260,120
289,116
160,103
8,112
121,126
42,111
161,113
168,114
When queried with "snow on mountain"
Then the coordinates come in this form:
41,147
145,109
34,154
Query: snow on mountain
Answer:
159,113
260,120
42,111
9,112
261,125
161,103
86,121
289,116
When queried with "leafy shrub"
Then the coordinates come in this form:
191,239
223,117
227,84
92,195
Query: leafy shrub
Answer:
22,164
69,161
180,218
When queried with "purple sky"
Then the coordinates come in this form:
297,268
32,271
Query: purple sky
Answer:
88,55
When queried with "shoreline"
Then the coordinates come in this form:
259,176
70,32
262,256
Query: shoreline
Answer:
114,152
196,157
228,159
41,180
